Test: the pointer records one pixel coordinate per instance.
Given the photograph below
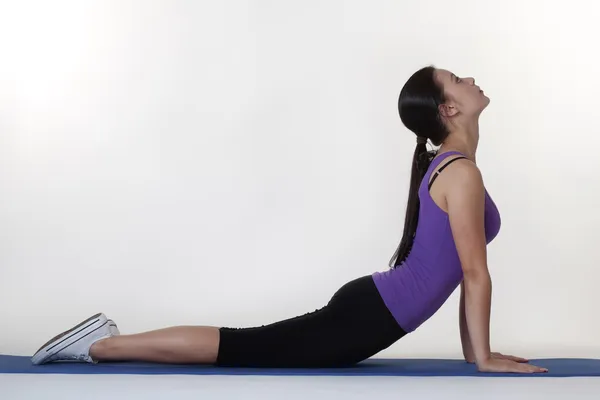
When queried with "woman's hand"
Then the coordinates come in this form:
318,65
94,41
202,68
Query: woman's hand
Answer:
501,356
509,357
494,364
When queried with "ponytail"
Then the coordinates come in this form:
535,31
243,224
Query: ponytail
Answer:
418,108
421,162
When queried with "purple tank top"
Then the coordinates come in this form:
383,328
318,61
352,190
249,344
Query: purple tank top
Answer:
417,288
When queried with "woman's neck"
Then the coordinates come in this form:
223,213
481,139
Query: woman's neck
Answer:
463,140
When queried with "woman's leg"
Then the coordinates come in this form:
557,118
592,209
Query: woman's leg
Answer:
353,326
98,339
175,345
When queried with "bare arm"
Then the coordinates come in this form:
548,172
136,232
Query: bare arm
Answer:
466,201
465,198
467,347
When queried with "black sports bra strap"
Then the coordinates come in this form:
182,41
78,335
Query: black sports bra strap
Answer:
441,169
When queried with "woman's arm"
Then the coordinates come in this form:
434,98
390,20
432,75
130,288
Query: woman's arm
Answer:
467,347
465,200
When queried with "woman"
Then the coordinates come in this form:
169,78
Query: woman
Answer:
446,230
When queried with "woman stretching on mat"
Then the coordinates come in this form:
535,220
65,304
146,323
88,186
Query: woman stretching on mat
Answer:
446,230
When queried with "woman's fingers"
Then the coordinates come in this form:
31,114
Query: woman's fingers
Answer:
510,357
532,368
517,359
497,364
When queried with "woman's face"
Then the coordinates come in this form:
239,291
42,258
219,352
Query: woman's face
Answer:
462,95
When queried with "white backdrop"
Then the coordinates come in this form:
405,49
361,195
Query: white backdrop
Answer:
235,162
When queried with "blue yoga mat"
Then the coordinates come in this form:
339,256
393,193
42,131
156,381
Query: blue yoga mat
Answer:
558,367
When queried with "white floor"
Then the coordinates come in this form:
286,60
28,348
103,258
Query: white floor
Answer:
172,387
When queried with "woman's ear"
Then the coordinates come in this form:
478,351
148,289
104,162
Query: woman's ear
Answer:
447,110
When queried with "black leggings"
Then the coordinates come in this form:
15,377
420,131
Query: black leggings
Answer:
352,327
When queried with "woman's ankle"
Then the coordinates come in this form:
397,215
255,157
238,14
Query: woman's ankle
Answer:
99,350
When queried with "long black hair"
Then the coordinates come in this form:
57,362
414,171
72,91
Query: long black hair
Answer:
418,106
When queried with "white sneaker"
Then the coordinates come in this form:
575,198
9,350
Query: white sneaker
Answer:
74,344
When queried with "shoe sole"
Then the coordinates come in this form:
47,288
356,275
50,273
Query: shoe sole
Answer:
67,338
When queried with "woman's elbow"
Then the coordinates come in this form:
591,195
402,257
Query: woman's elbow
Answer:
476,274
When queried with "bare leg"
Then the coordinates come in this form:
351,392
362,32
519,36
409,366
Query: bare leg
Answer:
175,345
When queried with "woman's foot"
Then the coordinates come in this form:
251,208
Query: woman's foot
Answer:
74,344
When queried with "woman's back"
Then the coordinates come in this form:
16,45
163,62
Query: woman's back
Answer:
418,287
